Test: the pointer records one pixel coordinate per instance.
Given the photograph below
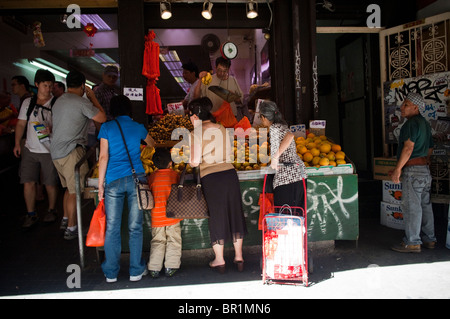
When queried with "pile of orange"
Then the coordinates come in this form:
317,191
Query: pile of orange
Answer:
319,151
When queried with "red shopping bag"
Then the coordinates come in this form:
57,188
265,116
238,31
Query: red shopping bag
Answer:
224,115
266,202
96,234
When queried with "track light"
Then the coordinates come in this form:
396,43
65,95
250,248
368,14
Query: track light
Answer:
207,7
165,9
252,9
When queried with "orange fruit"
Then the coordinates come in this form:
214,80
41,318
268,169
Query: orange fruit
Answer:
340,161
325,148
336,148
311,145
340,155
299,139
324,161
311,135
307,157
315,160
314,151
323,137
331,156
301,149
333,163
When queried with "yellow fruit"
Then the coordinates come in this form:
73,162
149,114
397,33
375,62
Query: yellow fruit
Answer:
336,148
207,79
325,148
311,135
315,152
332,163
307,157
340,155
323,137
324,161
340,161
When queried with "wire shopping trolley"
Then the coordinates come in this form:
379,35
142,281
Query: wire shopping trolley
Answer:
285,244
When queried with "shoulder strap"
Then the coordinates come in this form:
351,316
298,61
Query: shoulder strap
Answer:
53,100
128,153
31,106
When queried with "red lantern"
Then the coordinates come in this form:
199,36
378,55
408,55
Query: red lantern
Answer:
90,29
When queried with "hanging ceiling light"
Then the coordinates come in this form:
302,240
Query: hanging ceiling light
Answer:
252,9
207,7
165,9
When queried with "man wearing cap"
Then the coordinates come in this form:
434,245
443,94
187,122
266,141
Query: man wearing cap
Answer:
107,89
414,150
104,92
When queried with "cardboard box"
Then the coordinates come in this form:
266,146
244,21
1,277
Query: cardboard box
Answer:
391,215
382,166
392,193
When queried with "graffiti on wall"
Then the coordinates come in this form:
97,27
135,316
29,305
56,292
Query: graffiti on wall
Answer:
328,208
434,88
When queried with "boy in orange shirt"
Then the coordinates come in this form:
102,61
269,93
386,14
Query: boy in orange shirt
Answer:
166,232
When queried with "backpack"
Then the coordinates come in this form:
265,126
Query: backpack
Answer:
33,105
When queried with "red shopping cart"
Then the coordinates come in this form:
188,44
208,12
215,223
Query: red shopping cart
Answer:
285,244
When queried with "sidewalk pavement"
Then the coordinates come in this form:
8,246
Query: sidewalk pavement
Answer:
35,263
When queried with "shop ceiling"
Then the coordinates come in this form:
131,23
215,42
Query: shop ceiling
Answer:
49,13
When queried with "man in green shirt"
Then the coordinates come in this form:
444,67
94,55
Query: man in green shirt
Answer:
414,150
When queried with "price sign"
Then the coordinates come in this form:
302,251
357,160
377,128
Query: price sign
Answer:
134,94
298,130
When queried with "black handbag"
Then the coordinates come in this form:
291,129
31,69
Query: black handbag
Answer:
144,195
187,201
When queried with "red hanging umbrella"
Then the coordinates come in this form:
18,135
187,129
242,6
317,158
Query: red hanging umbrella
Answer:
150,70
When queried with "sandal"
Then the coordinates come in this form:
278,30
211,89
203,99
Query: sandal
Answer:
239,264
219,268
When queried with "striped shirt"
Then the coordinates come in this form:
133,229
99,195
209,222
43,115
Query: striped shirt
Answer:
160,184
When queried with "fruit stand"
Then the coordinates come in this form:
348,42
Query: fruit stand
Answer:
332,189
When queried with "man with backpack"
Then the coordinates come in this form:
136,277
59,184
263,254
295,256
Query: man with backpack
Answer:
35,120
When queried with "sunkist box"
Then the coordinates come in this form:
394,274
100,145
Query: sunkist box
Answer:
392,193
391,215
383,166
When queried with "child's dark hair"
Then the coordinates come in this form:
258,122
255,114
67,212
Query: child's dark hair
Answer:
43,76
270,111
202,108
161,158
120,105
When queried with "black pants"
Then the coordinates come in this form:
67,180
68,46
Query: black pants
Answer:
290,194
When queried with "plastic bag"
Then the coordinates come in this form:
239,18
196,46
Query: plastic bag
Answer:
244,124
96,234
224,115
